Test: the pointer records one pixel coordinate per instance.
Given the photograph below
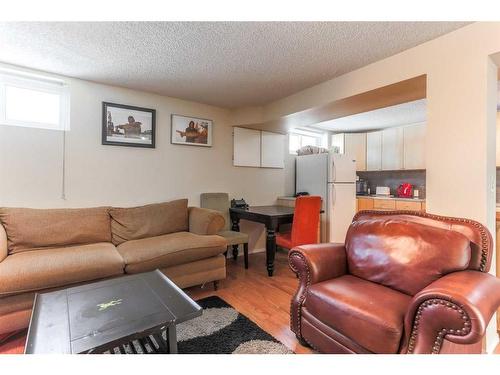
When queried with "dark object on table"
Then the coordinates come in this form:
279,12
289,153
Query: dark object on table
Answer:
440,298
271,217
239,203
301,193
109,314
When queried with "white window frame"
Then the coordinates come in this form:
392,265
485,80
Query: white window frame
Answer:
34,82
321,138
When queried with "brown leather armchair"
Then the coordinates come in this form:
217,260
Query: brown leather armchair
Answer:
403,282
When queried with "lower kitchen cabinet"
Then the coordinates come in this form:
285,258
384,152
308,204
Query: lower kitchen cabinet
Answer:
367,203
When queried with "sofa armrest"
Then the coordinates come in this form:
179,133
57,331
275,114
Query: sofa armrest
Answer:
205,221
3,243
457,307
313,264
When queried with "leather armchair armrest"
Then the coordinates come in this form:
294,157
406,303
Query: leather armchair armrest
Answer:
313,264
3,243
457,307
205,221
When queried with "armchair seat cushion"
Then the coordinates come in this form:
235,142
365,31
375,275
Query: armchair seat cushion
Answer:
370,314
234,238
49,268
169,250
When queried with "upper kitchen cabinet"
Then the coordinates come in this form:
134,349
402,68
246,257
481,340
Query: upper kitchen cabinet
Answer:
272,150
355,146
255,148
246,147
414,146
392,149
374,151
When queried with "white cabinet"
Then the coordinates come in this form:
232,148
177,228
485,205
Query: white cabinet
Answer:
414,147
255,148
338,142
498,139
272,150
246,147
374,151
392,149
355,146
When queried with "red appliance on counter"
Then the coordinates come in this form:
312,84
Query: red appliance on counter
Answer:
405,190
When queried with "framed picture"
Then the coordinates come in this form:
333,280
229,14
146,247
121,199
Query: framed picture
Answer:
125,125
191,131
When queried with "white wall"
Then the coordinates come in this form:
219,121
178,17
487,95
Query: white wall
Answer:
31,160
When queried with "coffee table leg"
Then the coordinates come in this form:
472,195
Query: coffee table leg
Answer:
172,339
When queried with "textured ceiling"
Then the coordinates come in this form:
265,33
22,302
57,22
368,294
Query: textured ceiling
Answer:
397,115
228,64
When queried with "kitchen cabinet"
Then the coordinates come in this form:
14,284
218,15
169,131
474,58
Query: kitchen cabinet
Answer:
392,149
246,147
272,150
338,142
414,146
389,204
374,151
256,148
355,146
498,141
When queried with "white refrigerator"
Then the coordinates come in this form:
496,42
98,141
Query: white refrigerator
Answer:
333,178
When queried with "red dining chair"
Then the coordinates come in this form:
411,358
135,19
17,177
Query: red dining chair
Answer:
305,223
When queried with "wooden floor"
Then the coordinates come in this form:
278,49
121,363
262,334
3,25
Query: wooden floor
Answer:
264,300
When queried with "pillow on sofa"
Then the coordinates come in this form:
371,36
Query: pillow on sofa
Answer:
29,228
148,221
404,255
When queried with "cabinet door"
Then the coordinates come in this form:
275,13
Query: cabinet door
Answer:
498,151
355,146
246,147
414,146
374,151
392,149
338,142
272,150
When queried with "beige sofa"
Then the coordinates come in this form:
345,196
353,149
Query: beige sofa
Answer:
49,249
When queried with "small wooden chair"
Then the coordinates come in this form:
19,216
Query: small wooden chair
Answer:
220,202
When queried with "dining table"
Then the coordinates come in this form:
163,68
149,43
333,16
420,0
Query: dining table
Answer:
272,217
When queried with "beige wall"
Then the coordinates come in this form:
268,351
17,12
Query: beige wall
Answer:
31,160
461,95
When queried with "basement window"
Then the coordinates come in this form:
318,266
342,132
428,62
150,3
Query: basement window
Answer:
299,138
33,101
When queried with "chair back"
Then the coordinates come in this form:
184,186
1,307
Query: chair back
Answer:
481,242
218,202
306,220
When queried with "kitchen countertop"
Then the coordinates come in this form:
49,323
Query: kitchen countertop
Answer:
391,197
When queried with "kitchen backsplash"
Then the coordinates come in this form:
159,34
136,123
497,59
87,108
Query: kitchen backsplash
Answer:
395,178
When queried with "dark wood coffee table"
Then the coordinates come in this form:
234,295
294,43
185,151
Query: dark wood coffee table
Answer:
108,315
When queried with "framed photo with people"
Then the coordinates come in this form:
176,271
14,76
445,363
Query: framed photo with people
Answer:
126,125
191,131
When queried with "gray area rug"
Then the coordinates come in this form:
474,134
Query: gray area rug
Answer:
220,330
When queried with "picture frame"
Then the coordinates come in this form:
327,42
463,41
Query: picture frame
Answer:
191,131
126,125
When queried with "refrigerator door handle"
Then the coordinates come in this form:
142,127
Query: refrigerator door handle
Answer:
333,167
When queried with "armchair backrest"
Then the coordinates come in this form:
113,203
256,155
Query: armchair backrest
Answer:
481,242
404,255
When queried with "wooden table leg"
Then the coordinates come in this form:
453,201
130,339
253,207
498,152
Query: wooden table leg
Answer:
172,339
236,228
270,250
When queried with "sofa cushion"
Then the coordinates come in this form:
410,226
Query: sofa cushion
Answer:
29,229
169,250
370,314
48,268
403,255
148,221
